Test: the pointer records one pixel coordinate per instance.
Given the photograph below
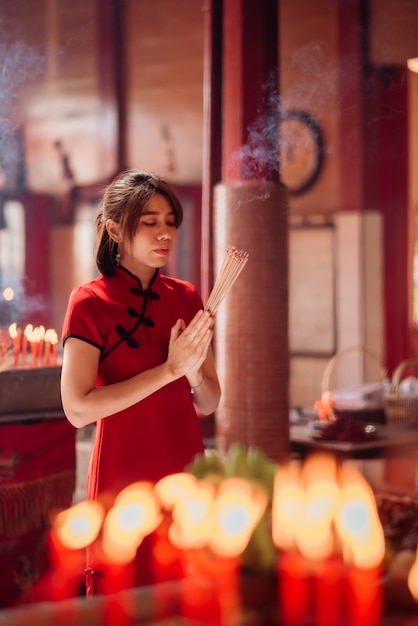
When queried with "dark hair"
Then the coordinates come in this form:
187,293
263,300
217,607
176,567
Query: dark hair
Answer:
123,202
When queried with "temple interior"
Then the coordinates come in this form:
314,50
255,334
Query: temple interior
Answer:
289,129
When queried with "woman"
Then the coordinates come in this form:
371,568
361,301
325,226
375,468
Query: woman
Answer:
137,356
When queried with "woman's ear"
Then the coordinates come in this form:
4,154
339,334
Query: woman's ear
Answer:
113,229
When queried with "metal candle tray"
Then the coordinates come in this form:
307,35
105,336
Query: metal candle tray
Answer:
30,390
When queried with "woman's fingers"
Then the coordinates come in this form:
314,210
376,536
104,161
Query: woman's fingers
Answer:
198,326
188,347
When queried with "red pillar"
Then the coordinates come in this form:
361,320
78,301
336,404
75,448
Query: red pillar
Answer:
37,296
391,161
351,102
374,162
212,133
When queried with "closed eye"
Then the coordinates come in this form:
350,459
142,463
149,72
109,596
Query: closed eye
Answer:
170,224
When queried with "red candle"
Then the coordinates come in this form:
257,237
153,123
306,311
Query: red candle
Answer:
295,588
16,336
365,596
330,591
26,336
360,529
54,348
211,593
47,352
34,349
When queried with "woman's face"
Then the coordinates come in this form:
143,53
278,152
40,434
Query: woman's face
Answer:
154,239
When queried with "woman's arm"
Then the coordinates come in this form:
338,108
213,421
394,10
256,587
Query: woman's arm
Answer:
84,404
204,385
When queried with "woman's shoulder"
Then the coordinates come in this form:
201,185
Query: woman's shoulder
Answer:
177,283
89,290
181,290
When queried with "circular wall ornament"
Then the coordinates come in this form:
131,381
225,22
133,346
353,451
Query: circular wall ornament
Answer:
301,150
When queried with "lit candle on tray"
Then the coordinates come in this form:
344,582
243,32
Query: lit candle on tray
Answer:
318,541
294,579
49,337
16,336
134,515
361,532
25,340
72,530
212,525
54,347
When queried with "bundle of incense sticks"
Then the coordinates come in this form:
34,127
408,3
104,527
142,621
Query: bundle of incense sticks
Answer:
231,268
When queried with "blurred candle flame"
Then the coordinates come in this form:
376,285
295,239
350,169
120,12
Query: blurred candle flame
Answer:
175,487
288,505
13,330
28,332
192,517
319,475
134,515
357,520
413,578
319,505
237,510
78,526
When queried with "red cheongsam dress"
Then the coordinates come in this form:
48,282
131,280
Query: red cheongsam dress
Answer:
159,435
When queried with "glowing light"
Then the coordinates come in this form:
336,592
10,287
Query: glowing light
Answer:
134,515
175,487
315,506
80,525
237,510
288,505
8,294
412,65
28,332
413,578
357,521
192,517
50,335
13,330
316,539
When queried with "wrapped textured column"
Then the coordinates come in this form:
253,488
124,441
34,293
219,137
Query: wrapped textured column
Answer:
251,330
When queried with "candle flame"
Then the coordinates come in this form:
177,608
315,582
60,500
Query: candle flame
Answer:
237,510
28,332
134,515
357,520
192,517
175,487
413,578
316,537
288,505
78,526
315,508
51,335
13,330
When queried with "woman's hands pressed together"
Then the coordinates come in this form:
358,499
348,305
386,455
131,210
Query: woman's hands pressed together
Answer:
189,354
188,346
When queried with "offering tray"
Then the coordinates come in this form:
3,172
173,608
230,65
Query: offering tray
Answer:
30,390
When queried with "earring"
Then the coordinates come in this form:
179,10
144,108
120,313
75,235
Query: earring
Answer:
117,255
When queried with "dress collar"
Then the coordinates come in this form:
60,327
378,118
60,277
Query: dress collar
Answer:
133,281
